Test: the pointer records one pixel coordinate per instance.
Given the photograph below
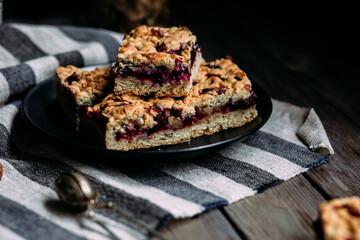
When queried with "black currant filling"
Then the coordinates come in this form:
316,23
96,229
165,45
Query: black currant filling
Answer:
245,103
98,118
159,75
164,114
71,104
73,77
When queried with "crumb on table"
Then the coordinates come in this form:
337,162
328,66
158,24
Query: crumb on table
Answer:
341,218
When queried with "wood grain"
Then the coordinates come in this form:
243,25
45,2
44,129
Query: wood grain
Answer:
286,211
209,225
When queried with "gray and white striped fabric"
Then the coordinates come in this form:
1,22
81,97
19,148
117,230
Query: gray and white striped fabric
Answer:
292,141
29,54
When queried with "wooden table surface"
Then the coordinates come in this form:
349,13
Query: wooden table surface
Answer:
303,60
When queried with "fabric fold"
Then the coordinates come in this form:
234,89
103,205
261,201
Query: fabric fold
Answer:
312,132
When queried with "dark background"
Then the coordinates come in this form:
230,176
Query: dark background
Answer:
330,26
321,27
296,44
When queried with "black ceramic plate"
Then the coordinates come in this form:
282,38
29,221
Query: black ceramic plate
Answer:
39,108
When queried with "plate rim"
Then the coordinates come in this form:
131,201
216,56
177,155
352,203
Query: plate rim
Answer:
25,114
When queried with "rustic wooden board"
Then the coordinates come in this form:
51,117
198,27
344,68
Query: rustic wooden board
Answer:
209,225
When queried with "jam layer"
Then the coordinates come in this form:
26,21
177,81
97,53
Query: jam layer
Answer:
159,75
164,113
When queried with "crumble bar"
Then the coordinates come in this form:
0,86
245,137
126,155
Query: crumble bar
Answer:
75,89
341,219
163,61
221,98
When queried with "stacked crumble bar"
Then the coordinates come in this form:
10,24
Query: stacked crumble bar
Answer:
163,61
161,92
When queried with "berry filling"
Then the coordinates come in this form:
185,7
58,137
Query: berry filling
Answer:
98,118
73,77
162,118
245,103
160,75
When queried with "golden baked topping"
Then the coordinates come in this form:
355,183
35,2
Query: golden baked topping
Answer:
220,77
85,84
156,46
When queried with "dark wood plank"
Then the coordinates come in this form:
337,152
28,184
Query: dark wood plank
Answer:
340,177
286,211
209,225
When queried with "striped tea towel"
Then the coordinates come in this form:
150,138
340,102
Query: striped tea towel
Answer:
30,54
291,142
